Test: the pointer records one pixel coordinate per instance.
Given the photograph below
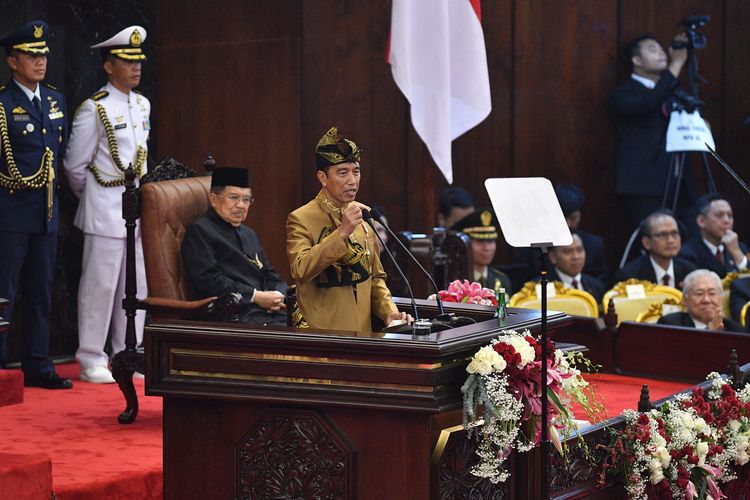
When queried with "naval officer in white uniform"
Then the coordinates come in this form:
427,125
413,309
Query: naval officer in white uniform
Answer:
110,131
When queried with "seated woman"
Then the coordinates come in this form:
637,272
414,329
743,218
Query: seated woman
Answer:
481,227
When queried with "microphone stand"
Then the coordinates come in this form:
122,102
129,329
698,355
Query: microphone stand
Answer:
441,310
368,218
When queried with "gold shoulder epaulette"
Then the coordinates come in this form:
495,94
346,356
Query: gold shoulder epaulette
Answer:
50,86
2,87
99,95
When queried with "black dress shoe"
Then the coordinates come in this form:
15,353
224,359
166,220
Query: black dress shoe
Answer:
49,380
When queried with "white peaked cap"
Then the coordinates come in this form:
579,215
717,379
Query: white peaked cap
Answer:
126,44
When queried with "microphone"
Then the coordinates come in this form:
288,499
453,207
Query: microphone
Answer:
367,216
374,214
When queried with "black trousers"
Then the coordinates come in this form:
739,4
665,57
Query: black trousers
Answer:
27,264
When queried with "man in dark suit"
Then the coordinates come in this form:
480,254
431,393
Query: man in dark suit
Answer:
661,239
717,248
739,295
571,200
33,130
701,296
567,267
641,107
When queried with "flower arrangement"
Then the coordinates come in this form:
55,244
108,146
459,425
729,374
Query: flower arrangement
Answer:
467,293
503,398
689,448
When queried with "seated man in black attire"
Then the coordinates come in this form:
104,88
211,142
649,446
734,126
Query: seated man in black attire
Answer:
717,247
701,296
641,106
661,239
481,227
455,204
739,295
571,200
221,255
567,267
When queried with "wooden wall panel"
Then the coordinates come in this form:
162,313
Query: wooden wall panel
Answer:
229,83
259,82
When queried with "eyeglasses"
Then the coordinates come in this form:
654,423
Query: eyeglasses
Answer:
700,293
665,235
235,199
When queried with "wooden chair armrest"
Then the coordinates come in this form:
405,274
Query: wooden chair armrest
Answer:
178,309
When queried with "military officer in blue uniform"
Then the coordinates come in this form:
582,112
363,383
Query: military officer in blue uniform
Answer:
32,138
110,131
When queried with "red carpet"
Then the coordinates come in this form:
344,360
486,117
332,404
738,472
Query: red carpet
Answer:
93,457
619,392
11,387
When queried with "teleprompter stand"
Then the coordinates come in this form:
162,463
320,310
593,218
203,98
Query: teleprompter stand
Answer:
530,217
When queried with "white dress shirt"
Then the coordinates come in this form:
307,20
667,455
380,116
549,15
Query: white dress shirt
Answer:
649,84
660,272
568,280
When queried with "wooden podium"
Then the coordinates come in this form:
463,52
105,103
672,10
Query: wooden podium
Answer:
280,413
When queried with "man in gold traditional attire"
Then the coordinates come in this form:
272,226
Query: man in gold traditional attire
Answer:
333,254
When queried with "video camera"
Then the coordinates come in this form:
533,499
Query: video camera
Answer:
696,39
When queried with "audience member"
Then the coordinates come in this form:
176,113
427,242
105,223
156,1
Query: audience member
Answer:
567,266
221,255
455,204
717,248
481,227
739,295
661,239
701,296
641,107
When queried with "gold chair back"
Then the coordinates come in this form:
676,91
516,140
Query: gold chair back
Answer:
628,308
725,282
656,311
567,300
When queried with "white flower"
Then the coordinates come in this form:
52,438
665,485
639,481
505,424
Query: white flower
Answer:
663,455
734,425
485,361
742,458
523,348
656,471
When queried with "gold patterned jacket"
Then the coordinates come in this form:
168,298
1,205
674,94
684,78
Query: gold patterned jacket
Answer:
314,248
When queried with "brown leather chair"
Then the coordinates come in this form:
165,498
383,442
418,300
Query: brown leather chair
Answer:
167,208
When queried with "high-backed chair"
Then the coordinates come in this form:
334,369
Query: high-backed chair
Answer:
656,310
628,308
743,314
568,300
165,208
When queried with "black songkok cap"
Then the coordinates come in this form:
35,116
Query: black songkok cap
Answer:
230,176
571,198
31,38
478,225
333,150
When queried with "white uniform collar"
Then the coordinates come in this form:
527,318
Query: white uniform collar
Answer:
660,272
478,276
649,84
28,92
699,325
116,94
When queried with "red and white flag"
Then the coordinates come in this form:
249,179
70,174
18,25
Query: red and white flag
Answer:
439,62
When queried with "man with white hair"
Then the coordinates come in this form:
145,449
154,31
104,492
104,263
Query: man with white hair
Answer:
701,296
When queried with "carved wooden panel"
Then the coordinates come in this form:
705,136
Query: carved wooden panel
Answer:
455,479
294,454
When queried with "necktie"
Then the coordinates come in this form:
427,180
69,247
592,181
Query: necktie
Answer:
719,256
574,284
665,280
37,104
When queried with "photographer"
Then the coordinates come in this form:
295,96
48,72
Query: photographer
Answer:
641,107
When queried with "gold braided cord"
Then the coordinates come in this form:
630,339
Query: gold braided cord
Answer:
15,180
140,154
